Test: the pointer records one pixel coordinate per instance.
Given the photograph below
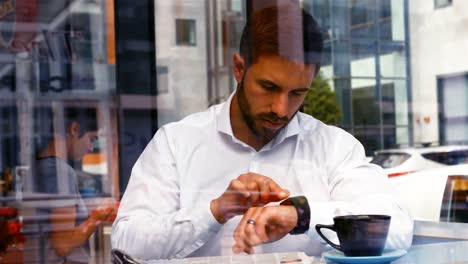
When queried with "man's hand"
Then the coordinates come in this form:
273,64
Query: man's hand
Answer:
248,190
106,211
262,225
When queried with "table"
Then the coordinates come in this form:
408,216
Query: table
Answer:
440,253
447,253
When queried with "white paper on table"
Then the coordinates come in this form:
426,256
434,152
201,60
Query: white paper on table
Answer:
270,258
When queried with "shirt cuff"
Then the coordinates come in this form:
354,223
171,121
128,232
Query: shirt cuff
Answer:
206,226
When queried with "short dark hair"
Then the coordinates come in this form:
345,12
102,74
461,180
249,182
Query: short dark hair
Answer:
85,117
285,30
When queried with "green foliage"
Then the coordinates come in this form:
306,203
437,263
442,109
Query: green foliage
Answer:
321,102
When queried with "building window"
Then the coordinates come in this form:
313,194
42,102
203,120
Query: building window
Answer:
442,3
185,32
453,109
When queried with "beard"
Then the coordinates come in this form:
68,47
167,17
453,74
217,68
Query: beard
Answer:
264,133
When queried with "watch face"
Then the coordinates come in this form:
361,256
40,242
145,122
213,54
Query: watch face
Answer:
303,213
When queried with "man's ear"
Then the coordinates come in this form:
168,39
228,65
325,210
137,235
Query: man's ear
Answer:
239,67
74,129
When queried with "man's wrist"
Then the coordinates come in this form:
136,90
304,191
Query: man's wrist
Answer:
303,213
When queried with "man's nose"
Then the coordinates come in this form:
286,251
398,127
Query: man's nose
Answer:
279,105
91,147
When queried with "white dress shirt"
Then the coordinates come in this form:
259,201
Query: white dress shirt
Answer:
165,211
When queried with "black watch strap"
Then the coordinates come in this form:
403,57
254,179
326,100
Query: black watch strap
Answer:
303,213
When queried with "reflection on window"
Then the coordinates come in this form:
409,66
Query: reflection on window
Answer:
363,18
449,158
186,32
390,160
442,3
391,94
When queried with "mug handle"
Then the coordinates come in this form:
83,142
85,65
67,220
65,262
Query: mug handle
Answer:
331,227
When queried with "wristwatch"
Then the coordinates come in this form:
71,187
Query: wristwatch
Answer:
303,213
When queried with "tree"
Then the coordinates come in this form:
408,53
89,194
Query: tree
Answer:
321,102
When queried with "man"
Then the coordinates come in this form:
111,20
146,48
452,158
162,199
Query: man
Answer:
70,224
196,177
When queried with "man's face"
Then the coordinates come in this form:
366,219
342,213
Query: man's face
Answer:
271,92
83,145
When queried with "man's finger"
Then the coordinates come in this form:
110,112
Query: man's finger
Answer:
251,238
238,187
239,233
249,250
254,193
262,224
276,192
265,191
237,248
239,245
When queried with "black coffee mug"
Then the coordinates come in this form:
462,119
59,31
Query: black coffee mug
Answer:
359,235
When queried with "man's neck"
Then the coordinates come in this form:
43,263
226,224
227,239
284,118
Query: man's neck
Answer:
55,148
240,129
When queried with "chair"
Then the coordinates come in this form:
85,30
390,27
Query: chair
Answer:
455,200
120,257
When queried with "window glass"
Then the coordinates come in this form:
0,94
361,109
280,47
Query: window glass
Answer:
186,32
442,3
448,158
391,159
453,101
366,110
87,87
363,18
363,59
58,144
392,20
392,60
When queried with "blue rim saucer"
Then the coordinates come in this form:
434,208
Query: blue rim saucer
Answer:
386,257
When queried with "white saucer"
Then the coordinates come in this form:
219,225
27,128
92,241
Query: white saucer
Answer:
386,257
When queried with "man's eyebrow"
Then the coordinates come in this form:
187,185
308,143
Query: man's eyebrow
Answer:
274,85
267,82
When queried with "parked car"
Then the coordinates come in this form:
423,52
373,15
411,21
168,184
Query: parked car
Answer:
398,162
428,192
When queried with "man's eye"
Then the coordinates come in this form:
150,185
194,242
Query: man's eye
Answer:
268,87
298,93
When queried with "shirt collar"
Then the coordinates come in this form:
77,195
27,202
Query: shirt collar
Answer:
223,120
290,130
224,124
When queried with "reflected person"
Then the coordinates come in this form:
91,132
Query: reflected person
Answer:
197,177
70,223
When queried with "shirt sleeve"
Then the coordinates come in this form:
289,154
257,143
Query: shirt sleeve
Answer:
359,187
150,223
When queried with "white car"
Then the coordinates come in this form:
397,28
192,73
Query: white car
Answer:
420,176
422,192
398,162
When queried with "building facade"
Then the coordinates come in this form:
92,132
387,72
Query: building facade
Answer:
366,63
440,80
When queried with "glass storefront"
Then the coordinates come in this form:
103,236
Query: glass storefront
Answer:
368,47
85,85
59,136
